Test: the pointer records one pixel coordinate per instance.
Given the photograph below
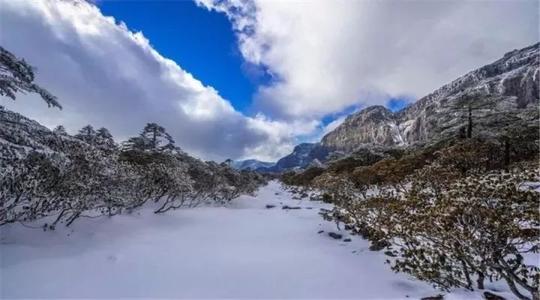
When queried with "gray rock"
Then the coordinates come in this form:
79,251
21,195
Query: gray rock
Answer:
504,93
438,297
335,236
290,207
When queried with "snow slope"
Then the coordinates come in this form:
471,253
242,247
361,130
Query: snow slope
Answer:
242,251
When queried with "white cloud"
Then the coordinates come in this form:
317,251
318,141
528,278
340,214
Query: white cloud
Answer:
328,55
106,75
279,133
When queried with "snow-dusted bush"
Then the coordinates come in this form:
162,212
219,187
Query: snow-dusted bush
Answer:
448,229
53,175
455,217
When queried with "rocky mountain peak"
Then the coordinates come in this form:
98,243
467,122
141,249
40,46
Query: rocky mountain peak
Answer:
499,95
372,125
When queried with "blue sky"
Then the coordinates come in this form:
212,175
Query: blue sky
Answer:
199,40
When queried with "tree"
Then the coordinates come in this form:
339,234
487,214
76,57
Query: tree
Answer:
59,130
153,138
104,140
16,75
157,137
87,134
470,102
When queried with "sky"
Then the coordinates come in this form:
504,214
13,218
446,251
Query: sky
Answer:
248,78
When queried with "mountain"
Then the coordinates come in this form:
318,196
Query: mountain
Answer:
251,164
499,96
372,125
302,156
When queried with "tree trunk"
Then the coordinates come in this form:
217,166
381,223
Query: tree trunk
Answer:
470,124
73,218
480,281
58,218
154,139
515,290
467,275
162,208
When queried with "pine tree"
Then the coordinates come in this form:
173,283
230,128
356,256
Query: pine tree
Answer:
104,139
59,130
87,134
155,136
16,75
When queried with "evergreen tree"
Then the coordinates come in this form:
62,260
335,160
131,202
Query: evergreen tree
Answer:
59,130
104,139
87,134
156,137
18,76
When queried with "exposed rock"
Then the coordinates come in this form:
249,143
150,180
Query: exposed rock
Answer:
334,235
373,125
270,206
502,94
302,156
347,240
290,207
438,297
320,231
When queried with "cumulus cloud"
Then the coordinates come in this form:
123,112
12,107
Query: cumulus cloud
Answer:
325,56
106,75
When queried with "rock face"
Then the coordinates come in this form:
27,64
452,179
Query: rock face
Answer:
373,125
499,95
303,155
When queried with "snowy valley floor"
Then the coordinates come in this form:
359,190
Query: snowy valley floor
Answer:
242,251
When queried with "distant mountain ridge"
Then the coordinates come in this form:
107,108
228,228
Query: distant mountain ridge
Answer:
251,164
505,90
502,95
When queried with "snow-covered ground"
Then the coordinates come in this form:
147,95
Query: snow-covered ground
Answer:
241,251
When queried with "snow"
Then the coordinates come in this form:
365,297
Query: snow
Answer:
396,134
241,251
